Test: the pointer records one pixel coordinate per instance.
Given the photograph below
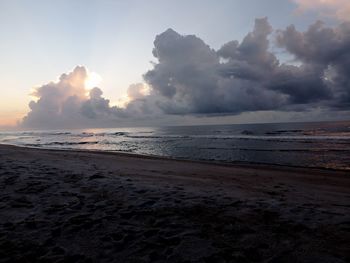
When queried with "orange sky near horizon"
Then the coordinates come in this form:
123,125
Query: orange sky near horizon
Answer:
13,107
11,118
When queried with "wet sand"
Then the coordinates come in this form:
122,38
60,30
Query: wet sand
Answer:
80,206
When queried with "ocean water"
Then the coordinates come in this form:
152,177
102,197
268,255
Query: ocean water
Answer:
323,144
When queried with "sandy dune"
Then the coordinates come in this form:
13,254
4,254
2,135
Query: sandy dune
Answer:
65,206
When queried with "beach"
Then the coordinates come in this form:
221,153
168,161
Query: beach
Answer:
91,206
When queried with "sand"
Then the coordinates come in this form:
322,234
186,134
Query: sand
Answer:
81,206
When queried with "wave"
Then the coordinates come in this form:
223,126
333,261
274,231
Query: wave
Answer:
315,150
69,143
283,132
112,134
294,150
35,133
160,136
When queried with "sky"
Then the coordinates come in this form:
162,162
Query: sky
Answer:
171,62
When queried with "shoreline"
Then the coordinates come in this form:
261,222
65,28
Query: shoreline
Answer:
88,206
241,164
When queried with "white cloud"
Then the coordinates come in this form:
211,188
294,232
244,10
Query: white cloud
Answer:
69,103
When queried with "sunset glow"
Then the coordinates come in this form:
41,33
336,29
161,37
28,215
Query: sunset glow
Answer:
336,8
11,118
93,80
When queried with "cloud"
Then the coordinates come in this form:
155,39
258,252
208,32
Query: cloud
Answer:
190,78
137,91
325,55
67,103
336,8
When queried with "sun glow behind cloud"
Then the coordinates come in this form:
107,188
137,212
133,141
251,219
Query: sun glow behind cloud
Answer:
134,92
93,80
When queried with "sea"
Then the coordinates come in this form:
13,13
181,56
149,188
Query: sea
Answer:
313,144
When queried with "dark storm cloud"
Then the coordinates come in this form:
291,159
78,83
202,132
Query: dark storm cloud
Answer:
303,84
190,78
326,53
